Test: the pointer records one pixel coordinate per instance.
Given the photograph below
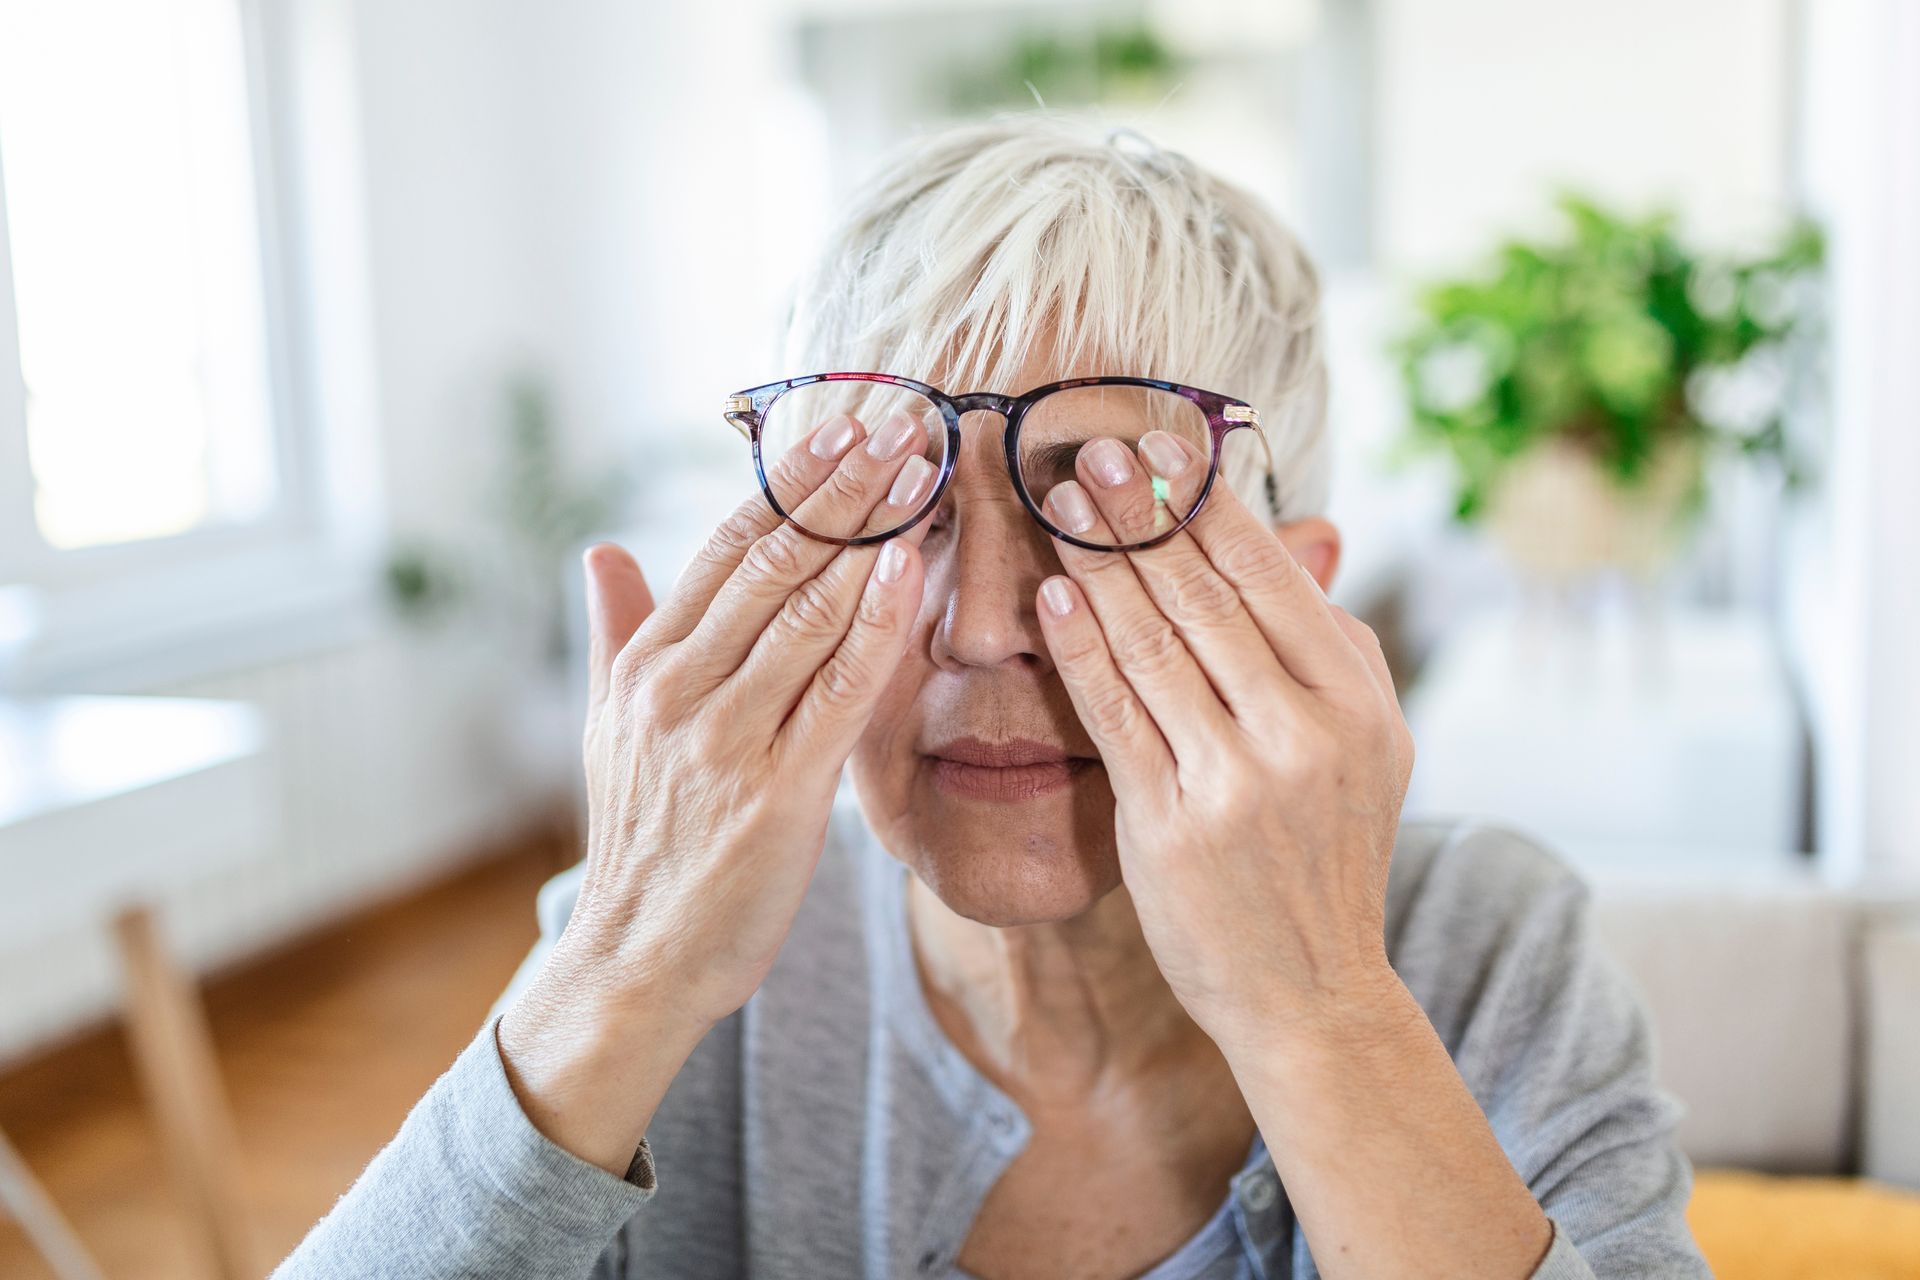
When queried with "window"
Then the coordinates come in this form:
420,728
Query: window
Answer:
130,229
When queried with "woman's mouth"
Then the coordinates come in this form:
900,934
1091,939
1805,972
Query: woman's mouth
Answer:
1016,769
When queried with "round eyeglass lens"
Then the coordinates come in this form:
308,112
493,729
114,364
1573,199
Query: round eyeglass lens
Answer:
885,411
1059,426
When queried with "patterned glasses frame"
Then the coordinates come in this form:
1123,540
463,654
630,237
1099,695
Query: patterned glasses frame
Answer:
747,411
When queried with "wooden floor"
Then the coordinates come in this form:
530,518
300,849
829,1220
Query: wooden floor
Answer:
324,1046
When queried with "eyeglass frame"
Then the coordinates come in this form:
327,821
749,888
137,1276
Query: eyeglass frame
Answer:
746,411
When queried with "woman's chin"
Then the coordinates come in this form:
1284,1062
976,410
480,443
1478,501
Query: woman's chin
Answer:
1005,862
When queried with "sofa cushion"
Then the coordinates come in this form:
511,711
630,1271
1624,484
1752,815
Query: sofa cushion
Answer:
1753,1227
1890,1108
1747,970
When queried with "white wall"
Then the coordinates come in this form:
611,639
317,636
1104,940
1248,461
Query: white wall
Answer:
1486,105
1855,605
647,176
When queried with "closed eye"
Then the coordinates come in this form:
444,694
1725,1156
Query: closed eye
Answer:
1044,465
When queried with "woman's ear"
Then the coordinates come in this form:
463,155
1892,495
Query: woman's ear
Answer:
1315,543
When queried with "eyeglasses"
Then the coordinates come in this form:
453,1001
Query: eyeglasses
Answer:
1045,431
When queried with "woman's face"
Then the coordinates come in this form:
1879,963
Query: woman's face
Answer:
974,769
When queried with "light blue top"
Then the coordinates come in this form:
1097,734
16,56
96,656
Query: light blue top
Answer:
830,1128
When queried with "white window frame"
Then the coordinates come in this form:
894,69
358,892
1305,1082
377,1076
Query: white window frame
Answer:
172,608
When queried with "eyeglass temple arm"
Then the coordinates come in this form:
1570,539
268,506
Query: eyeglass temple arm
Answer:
1246,413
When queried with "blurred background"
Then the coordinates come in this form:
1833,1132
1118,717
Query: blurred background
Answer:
331,331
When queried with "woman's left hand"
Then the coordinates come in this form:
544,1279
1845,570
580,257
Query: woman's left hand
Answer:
1252,737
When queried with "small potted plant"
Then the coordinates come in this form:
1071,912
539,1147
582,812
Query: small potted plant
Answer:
1580,385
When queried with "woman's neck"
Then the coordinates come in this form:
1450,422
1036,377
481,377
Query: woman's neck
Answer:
1060,1010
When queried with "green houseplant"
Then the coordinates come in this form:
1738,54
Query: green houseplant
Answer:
1580,384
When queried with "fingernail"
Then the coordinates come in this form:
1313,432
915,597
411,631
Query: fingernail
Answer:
1059,599
911,484
1070,507
1164,452
1109,462
893,437
893,562
832,440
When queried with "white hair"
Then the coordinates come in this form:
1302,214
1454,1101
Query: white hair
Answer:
974,242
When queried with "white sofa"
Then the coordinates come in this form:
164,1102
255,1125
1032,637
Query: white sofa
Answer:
1787,1013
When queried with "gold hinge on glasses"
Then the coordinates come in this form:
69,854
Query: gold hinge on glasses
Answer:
735,407
1247,413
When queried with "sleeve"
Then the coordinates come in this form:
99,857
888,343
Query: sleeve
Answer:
468,1186
1559,1053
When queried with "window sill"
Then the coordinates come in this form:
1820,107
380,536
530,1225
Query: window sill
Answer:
195,619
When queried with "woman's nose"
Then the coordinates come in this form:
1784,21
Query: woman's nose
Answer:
994,562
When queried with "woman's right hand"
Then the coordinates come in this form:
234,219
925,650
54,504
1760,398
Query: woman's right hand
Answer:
717,727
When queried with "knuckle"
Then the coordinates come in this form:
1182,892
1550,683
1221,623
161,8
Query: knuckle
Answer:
1111,712
879,610
811,611
628,671
737,533
1309,749
1253,555
776,556
1130,515
791,473
651,702
1096,565
843,683
1146,644
1359,632
1197,592
846,487
1079,654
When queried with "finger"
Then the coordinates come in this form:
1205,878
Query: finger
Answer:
618,601
1284,600
817,615
800,471
775,566
1367,644
1134,492
1146,648
840,694
1129,741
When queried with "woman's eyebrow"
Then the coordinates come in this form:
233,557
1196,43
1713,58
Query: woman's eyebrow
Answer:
1062,453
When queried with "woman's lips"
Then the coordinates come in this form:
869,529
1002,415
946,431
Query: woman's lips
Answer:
1018,769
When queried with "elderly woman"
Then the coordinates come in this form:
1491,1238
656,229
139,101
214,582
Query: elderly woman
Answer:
1118,960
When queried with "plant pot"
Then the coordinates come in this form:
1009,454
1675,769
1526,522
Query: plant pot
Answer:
1560,516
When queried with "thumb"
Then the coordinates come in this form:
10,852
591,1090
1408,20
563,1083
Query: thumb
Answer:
617,603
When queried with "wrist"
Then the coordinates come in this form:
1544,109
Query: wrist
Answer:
1331,1022
589,1061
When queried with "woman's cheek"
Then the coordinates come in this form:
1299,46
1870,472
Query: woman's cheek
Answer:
884,759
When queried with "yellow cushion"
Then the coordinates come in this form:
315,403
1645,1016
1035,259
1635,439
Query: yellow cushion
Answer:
1755,1227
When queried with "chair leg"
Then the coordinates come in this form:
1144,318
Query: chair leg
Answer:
27,1202
174,1052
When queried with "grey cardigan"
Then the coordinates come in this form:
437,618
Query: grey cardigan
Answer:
830,1128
